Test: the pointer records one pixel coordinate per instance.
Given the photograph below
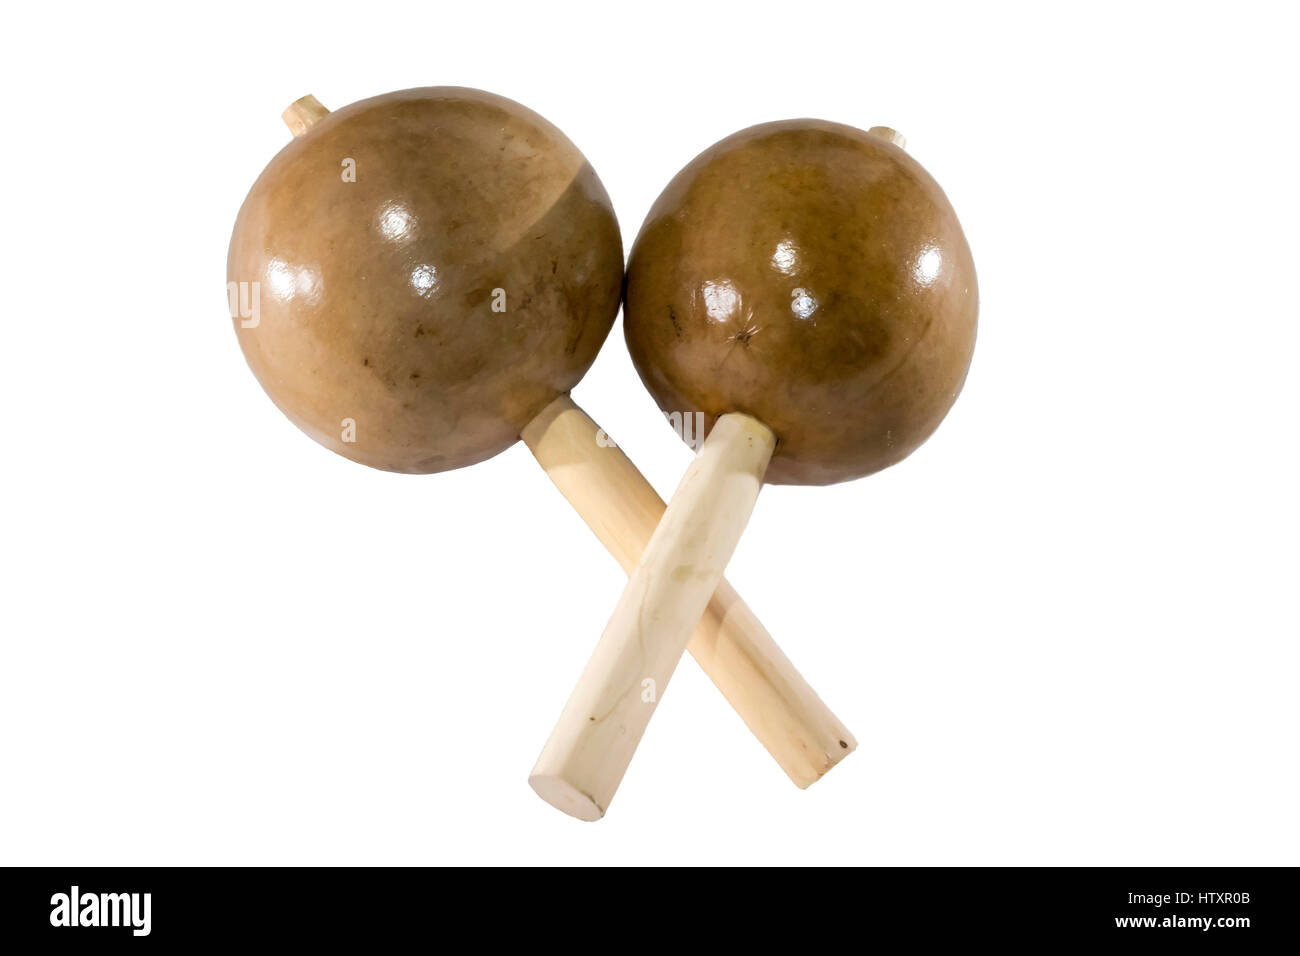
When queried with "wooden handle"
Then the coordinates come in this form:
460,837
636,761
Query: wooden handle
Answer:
592,744
737,653
889,135
302,113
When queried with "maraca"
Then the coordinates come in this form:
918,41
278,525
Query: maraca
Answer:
806,287
418,279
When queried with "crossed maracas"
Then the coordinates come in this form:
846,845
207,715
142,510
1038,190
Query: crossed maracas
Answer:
418,280
807,287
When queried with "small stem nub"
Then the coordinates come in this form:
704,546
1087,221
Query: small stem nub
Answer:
303,113
889,135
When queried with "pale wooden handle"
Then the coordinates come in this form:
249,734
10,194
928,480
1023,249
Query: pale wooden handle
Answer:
889,135
730,644
303,113
592,744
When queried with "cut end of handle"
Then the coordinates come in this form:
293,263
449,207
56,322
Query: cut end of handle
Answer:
565,797
303,113
889,135
830,759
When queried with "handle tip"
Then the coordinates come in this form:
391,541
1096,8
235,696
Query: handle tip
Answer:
828,760
303,113
565,797
889,135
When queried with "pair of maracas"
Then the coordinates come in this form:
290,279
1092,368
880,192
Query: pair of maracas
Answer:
420,278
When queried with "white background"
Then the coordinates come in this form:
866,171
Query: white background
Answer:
1064,631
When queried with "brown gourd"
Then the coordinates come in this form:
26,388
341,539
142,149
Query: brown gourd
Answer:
417,281
804,286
